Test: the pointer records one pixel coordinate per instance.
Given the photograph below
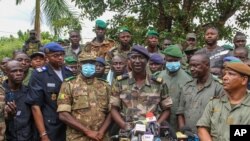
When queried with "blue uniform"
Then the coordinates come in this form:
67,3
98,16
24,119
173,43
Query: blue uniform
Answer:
19,127
45,86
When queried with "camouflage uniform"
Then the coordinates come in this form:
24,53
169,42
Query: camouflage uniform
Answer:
116,50
175,82
70,52
151,97
87,101
2,121
219,115
31,46
2,78
194,100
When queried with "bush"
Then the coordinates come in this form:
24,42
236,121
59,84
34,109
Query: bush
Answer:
8,45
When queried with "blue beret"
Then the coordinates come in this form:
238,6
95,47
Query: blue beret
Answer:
53,47
101,60
140,49
157,58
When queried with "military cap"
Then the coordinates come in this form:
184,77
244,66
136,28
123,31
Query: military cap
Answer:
33,55
123,29
152,32
53,47
172,50
228,47
239,67
231,59
191,49
70,60
140,49
191,35
101,24
157,58
86,57
101,60
60,40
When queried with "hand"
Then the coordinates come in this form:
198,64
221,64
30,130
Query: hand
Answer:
10,108
92,134
100,135
45,138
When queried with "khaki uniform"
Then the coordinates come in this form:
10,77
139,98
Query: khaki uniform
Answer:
219,115
116,50
27,78
100,49
87,101
2,120
32,46
135,102
194,100
175,82
2,78
70,52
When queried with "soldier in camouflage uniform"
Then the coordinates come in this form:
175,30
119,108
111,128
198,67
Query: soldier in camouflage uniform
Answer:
196,93
2,122
75,48
83,103
123,46
2,69
100,45
32,44
136,93
232,108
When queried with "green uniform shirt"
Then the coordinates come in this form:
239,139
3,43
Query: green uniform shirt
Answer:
27,78
194,100
69,51
136,101
218,116
175,82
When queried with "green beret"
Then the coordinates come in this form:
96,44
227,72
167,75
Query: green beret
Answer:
152,32
101,24
173,50
70,60
123,29
239,67
228,47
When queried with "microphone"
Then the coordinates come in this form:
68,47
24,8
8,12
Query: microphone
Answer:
152,125
187,131
139,129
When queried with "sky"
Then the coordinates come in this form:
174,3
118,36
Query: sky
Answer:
15,18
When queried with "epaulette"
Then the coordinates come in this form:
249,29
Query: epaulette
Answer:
103,80
41,69
69,78
156,79
122,77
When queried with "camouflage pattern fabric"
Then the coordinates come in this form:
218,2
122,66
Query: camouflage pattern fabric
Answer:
32,47
2,121
87,101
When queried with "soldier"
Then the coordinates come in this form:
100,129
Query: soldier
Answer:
37,60
191,40
71,63
196,93
32,44
83,104
166,43
136,93
2,120
156,63
189,51
45,85
123,44
24,59
18,114
215,52
175,78
152,41
240,40
241,53
232,108
100,45
2,69
100,68
75,48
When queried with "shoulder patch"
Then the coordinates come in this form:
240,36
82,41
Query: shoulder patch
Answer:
68,68
157,79
69,78
122,77
41,69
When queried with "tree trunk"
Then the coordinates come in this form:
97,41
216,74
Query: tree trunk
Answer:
37,19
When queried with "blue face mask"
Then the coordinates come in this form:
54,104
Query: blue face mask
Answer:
173,66
88,70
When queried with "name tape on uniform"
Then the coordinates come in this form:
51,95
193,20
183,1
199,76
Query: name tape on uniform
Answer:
239,132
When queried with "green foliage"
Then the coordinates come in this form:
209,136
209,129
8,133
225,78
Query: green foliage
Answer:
173,18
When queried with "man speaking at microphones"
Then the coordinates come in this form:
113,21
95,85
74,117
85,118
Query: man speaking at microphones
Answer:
224,113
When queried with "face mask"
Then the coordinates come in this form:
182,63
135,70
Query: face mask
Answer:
88,70
173,66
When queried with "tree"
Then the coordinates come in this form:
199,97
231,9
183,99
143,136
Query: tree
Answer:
53,10
173,18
